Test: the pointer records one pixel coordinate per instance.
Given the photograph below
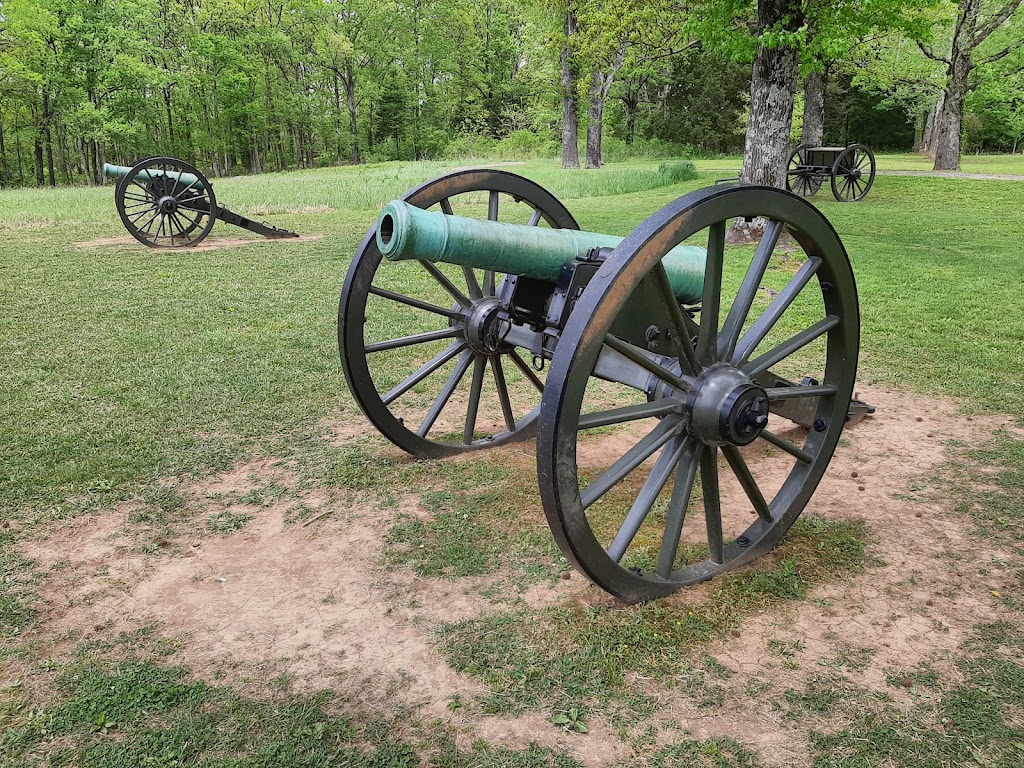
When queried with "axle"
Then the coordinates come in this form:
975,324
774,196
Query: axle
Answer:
407,232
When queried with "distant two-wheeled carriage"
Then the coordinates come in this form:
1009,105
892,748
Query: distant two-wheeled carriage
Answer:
850,169
164,202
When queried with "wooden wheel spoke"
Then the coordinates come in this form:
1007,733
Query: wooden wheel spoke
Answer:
447,284
446,393
644,502
764,324
789,346
712,505
789,393
636,356
707,339
747,482
477,383
414,302
428,368
630,413
535,217
503,399
748,290
416,338
682,332
629,461
472,284
675,516
787,446
526,370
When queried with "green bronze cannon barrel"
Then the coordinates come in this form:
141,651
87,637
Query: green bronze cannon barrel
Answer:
407,232
184,180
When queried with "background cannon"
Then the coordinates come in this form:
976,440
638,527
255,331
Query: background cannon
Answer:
167,203
657,407
850,169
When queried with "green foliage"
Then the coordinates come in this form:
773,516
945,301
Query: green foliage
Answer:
706,103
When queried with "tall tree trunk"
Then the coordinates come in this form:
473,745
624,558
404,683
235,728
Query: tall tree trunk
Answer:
595,119
948,120
772,91
5,170
48,139
814,109
40,179
570,116
349,81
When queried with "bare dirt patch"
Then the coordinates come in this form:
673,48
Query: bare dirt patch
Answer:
314,603
272,599
209,244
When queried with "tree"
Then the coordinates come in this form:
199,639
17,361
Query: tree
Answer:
976,23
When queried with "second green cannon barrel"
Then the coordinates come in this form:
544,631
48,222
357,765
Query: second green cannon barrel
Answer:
407,232
183,180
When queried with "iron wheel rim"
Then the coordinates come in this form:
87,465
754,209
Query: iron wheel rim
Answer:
352,319
848,184
585,333
800,179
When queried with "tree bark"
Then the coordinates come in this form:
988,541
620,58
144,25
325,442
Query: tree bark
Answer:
814,109
950,114
570,116
595,119
349,81
772,93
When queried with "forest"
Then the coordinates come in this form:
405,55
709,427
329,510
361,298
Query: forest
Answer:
249,86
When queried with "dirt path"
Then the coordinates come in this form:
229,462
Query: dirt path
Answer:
933,174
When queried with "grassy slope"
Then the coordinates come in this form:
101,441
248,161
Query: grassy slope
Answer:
122,366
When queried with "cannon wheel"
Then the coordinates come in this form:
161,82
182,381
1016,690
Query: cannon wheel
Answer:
798,179
848,171
160,211
470,299
597,523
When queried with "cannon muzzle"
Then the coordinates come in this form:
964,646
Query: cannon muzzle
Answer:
184,180
407,232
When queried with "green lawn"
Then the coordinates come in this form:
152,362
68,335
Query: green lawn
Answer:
123,367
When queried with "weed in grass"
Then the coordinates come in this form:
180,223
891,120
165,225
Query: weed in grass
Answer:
704,753
226,522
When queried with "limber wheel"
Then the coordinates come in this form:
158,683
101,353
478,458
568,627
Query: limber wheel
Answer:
166,203
853,173
801,178
417,339
618,479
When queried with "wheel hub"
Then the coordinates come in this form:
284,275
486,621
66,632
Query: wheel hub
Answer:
484,323
167,205
726,407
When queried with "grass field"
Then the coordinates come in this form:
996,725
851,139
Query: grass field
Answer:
170,420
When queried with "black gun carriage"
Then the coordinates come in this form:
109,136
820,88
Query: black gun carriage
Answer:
850,170
164,202
669,365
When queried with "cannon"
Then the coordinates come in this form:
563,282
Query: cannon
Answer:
674,364
167,203
850,169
